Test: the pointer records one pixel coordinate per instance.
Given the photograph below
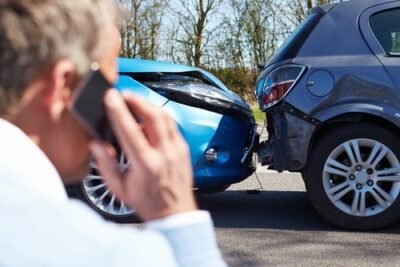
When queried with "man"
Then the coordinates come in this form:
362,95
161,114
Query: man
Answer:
46,48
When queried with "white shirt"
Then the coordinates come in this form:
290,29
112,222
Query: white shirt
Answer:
40,226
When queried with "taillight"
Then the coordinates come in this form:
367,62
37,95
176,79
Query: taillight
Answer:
278,83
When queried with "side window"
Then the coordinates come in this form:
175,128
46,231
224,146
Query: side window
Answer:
386,27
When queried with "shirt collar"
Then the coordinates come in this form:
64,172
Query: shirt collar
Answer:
22,163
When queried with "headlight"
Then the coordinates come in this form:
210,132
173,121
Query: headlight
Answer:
207,93
200,95
277,85
200,91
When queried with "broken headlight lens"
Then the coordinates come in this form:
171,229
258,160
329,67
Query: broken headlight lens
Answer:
200,95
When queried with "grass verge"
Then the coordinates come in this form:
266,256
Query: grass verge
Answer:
258,115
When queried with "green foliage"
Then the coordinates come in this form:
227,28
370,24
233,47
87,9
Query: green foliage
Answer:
240,80
258,115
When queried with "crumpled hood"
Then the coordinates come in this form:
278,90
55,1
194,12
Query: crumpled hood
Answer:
127,65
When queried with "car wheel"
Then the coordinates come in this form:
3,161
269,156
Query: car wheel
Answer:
95,193
353,176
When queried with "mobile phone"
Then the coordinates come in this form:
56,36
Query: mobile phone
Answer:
88,106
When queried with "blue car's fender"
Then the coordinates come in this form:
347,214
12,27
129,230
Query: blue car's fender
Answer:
204,130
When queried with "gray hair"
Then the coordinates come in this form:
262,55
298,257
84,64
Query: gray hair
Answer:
34,34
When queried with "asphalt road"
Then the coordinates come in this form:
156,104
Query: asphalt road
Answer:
267,220
279,227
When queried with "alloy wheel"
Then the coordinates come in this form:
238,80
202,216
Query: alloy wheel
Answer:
361,177
100,196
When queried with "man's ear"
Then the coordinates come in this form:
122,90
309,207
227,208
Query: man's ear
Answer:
58,92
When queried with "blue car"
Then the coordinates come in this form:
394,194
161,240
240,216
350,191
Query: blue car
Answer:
217,124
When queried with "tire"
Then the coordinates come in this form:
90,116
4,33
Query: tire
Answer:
354,190
81,194
94,192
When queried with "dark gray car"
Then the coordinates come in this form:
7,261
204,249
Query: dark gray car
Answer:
332,101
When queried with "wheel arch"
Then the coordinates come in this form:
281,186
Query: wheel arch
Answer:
348,118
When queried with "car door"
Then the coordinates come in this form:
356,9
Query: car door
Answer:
380,26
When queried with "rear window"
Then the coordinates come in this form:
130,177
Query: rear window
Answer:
386,27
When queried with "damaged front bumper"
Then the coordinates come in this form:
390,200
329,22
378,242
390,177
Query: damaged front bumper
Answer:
251,147
289,135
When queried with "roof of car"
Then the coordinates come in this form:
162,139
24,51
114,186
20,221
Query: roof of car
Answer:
338,33
361,5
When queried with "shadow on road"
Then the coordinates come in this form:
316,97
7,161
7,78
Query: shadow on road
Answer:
269,209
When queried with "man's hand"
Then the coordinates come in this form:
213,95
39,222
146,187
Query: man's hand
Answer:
160,179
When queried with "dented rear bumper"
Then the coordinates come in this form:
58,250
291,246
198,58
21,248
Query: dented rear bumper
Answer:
289,135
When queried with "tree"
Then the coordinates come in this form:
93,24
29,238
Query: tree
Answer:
196,31
297,10
140,34
251,32
259,28
232,43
